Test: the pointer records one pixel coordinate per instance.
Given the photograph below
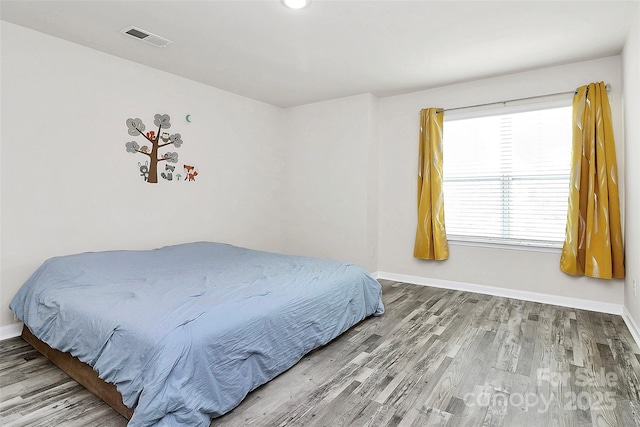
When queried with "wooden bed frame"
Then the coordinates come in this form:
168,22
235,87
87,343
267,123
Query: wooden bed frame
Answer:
80,372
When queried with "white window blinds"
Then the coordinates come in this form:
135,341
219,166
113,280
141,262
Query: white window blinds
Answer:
506,177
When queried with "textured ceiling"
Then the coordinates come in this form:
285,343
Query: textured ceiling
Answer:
332,49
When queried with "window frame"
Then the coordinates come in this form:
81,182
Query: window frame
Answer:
514,107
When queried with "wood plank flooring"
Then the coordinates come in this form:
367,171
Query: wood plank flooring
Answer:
436,358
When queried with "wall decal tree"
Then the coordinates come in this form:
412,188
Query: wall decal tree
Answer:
157,141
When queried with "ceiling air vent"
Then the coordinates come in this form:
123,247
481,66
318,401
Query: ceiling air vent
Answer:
146,36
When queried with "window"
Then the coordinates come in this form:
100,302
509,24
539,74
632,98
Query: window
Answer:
506,177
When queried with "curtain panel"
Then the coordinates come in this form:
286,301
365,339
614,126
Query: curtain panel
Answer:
593,242
431,237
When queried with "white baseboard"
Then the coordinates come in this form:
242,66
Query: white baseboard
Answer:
15,329
579,303
631,325
10,331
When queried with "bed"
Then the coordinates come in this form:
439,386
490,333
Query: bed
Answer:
184,332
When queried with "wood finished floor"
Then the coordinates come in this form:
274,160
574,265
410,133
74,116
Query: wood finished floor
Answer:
435,358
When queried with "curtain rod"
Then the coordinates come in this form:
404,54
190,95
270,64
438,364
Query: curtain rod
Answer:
607,87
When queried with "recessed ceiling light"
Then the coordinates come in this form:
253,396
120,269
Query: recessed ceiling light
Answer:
296,4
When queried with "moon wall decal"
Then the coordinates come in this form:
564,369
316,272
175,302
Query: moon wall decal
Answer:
188,118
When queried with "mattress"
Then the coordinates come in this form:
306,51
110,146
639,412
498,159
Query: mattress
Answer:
186,331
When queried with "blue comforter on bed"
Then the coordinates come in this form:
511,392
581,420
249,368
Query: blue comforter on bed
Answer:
186,331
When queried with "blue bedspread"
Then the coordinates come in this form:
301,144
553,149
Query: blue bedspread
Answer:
186,331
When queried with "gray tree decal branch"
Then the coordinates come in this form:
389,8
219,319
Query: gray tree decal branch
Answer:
157,141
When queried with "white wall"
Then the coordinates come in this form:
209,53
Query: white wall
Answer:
331,180
511,269
631,94
68,185
334,179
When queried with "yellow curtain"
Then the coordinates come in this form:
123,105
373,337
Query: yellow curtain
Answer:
431,237
593,242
